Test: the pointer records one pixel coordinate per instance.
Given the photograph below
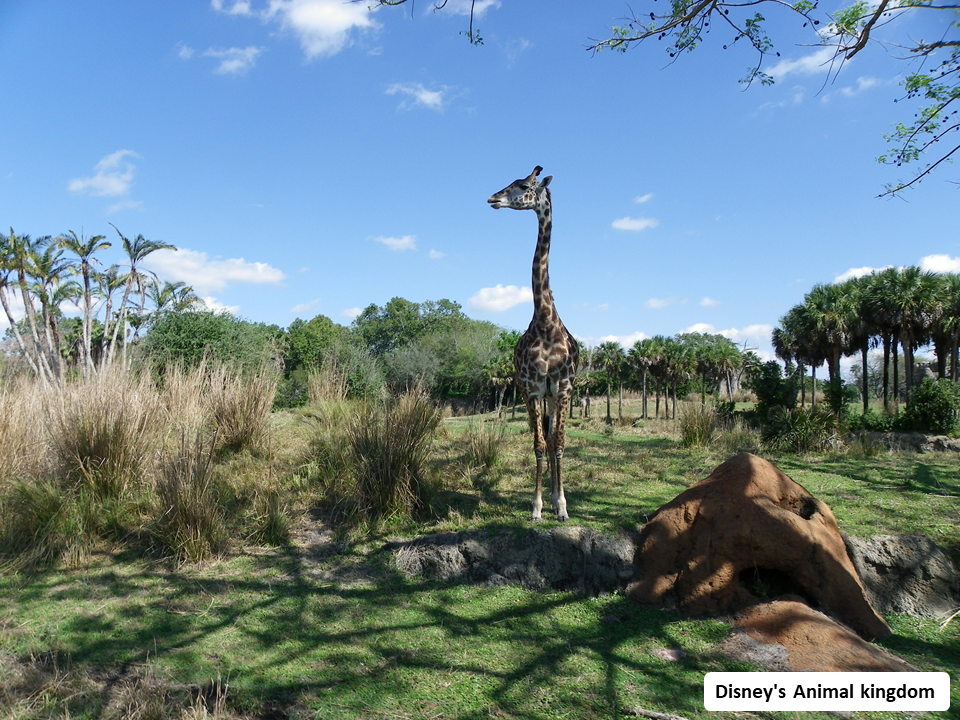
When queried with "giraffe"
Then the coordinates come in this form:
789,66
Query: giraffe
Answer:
546,356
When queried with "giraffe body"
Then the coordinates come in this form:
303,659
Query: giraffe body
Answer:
546,356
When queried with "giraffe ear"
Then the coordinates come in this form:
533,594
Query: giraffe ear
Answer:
546,181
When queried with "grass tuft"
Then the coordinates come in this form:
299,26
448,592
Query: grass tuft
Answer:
697,424
390,443
240,405
189,523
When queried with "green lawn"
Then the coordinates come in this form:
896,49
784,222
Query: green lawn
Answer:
288,632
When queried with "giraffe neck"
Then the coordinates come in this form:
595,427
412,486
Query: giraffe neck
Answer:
544,313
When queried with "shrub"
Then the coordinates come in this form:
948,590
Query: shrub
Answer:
772,389
194,338
799,430
697,424
934,408
737,437
871,421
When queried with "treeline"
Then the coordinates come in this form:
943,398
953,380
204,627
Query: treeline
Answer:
898,309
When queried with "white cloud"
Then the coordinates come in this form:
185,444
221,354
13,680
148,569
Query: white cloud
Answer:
184,52
206,275
863,83
351,312
462,7
857,273
626,341
940,264
635,224
306,307
499,298
216,306
237,7
816,63
398,244
436,255
659,303
113,176
755,335
641,199
709,302
234,61
324,27
419,96
125,205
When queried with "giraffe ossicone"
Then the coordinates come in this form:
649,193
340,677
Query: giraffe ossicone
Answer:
546,356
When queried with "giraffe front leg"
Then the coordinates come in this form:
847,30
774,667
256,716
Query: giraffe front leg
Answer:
535,416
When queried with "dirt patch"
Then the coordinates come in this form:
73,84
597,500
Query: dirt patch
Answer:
787,634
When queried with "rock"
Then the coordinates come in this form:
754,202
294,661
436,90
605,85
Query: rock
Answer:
748,515
917,442
906,574
564,558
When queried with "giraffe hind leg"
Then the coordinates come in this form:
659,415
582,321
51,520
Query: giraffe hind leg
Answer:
556,454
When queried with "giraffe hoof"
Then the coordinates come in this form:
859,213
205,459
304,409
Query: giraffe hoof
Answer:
562,517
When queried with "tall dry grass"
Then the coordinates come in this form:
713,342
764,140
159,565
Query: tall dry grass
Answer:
112,455
103,431
239,405
327,383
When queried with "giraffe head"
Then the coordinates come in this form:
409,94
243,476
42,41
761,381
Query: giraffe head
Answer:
525,194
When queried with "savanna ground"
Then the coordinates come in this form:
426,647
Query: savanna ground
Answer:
322,624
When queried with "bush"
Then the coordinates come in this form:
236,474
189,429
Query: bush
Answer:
870,421
934,408
799,430
194,338
772,389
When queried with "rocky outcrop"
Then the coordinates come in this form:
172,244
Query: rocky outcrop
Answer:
563,558
916,442
906,574
747,518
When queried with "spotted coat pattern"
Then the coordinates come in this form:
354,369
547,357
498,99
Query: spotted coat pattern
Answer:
546,356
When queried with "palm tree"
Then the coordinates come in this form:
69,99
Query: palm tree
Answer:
7,268
833,316
84,248
863,327
22,250
137,250
914,303
610,357
49,268
945,331
643,355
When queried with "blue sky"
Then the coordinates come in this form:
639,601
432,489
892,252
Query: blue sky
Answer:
311,156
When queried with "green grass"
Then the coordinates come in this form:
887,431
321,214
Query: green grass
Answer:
338,632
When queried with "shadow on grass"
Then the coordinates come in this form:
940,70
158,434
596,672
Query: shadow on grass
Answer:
355,639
